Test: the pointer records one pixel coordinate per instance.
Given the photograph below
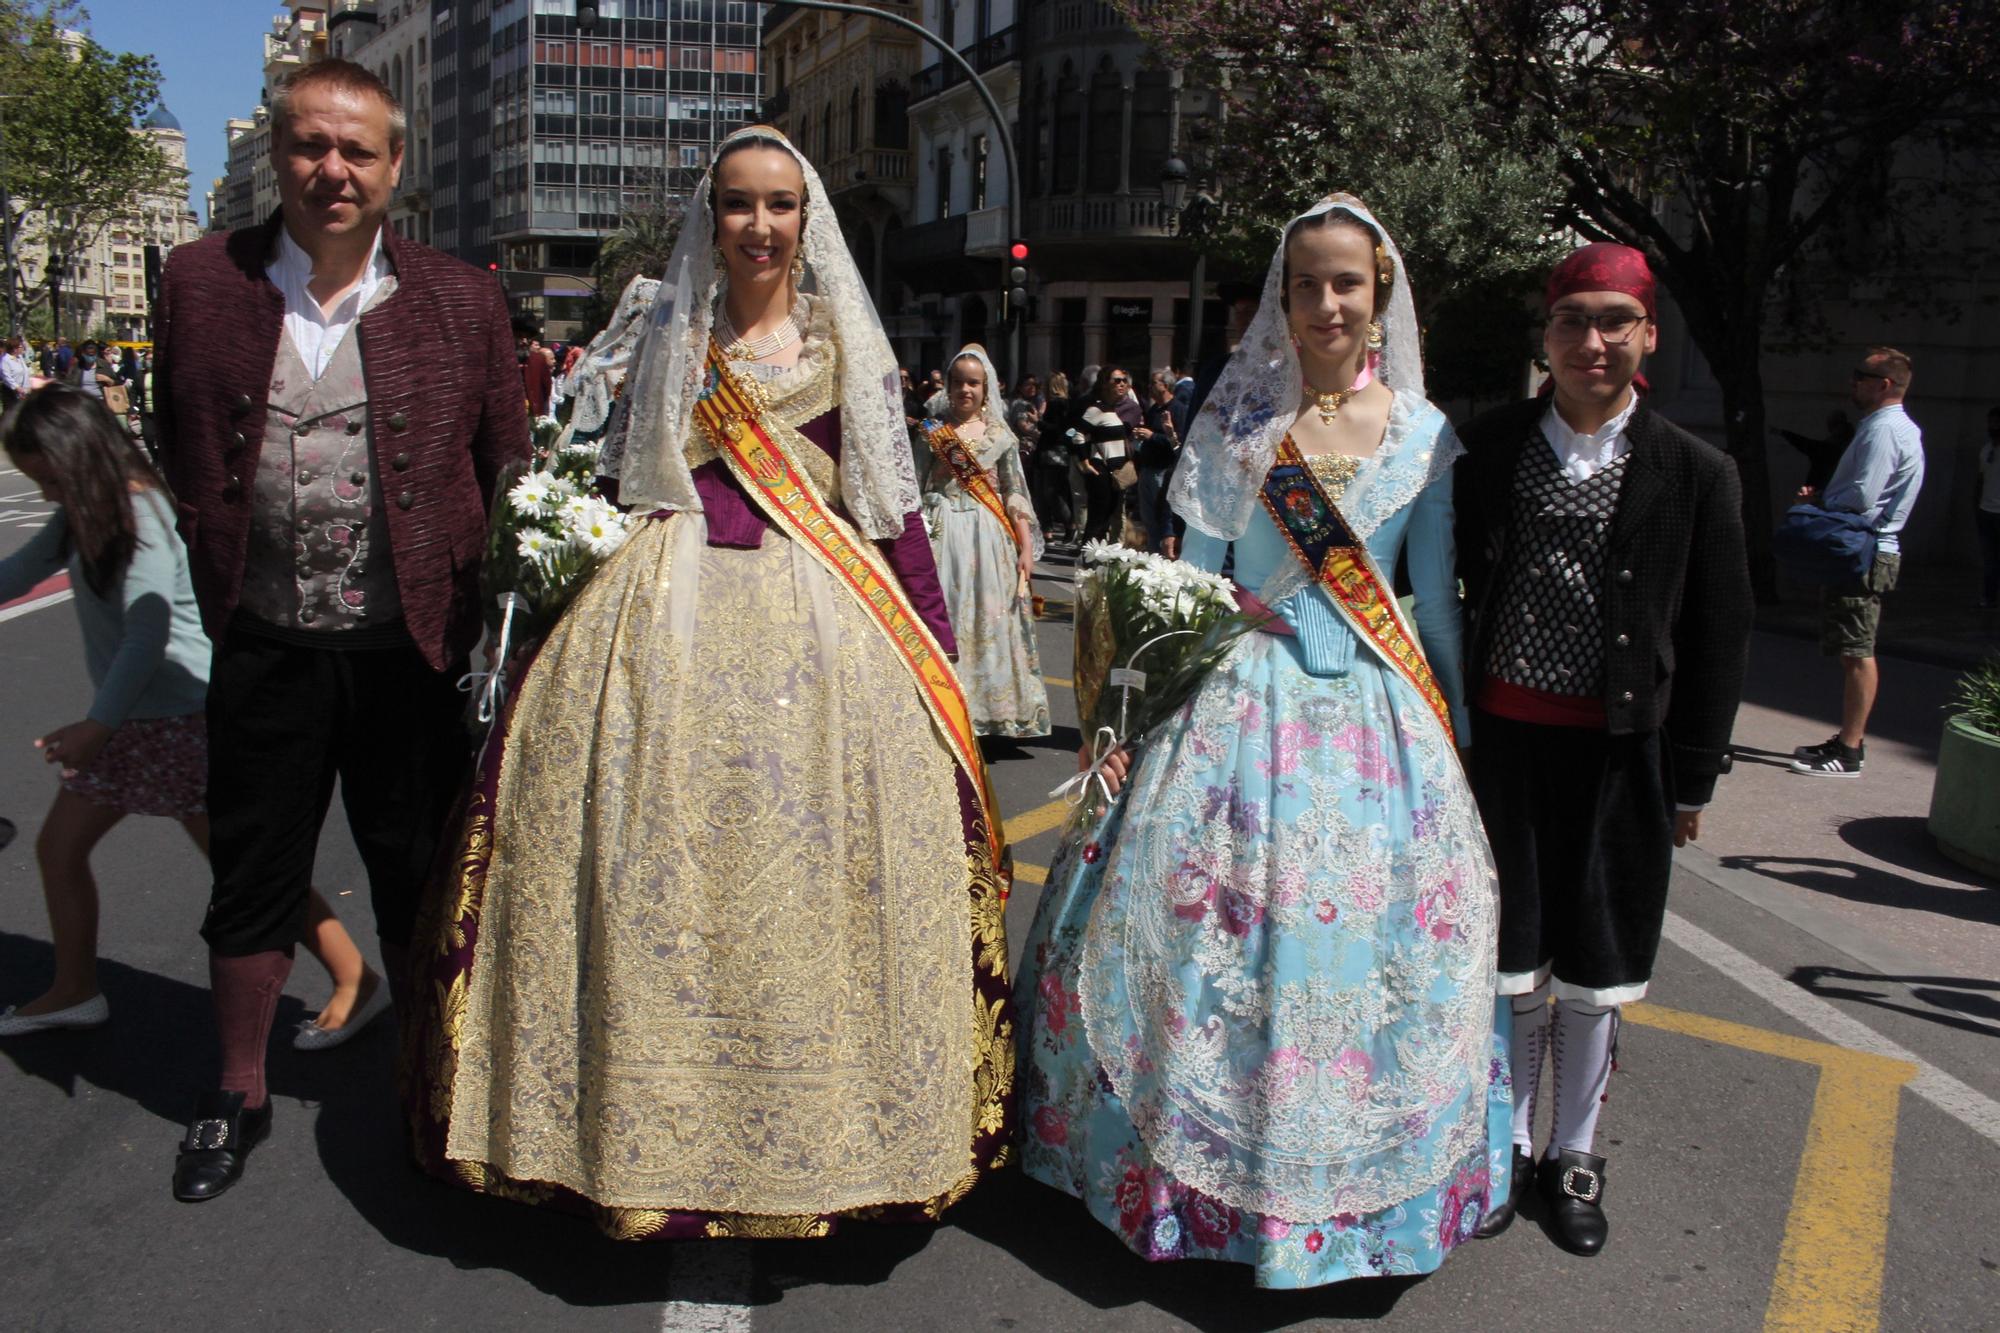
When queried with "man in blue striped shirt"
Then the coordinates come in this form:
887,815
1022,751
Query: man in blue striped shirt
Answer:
1878,478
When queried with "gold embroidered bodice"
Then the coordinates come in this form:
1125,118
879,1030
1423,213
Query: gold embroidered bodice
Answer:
790,397
1333,472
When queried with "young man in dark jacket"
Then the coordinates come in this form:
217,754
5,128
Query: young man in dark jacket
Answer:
1609,609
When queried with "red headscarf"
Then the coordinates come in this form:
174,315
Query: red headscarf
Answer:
1603,267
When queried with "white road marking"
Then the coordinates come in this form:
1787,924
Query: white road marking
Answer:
713,1281
1969,1106
53,599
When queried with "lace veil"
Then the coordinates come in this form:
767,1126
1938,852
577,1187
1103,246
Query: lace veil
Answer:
878,478
593,382
1234,438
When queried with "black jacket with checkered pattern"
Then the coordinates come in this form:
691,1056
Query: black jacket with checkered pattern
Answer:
1676,601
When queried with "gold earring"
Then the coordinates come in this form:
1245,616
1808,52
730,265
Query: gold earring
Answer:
1375,335
798,268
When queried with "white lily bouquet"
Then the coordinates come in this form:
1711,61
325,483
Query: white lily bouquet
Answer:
1148,632
550,532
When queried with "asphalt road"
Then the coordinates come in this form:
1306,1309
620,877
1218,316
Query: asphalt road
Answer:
1776,1161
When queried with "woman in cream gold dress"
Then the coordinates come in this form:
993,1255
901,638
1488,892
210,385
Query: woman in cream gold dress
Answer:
986,540
723,952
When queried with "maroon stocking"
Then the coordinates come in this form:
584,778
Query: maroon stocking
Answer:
246,1000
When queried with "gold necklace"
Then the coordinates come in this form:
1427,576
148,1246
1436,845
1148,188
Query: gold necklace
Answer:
1329,404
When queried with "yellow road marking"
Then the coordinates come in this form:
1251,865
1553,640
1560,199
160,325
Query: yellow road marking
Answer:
1836,1236
1063,681
1033,823
1027,874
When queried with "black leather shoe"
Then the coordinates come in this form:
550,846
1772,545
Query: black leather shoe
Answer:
1501,1216
1573,1185
218,1140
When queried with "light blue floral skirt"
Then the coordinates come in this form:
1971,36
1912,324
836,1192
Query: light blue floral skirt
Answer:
1258,1020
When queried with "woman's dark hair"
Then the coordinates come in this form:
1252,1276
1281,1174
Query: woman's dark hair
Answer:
94,462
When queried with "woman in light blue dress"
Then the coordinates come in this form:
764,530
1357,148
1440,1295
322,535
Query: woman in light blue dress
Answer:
1258,1002
985,539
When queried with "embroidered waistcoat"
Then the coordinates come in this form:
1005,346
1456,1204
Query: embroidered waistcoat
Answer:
1549,632
318,555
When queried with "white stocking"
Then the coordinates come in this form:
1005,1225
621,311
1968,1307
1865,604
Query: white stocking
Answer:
1528,1042
1584,1045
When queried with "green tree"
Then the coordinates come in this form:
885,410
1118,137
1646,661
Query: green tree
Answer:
643,243
1736,142
1379,101
70,157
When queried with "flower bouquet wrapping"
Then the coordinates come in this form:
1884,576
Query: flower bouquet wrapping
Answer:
550,531
1148,632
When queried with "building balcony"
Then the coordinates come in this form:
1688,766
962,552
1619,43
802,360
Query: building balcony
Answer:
988,53
927,243
866,166
1097,216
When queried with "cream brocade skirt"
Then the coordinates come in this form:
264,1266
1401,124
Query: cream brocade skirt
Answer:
724,960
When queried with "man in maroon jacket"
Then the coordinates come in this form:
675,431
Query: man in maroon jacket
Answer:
333,477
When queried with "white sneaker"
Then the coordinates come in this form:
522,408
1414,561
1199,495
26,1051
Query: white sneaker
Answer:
93,1012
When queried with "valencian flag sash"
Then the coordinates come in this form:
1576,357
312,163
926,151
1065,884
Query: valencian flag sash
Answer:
1338,560
949,446
728,411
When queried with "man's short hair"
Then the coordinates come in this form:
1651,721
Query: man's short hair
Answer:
342,76
1891,363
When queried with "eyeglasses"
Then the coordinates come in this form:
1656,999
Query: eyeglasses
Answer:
1616,327
1120,379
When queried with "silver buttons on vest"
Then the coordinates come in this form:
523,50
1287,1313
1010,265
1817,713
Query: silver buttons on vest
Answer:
1623,641
1624,576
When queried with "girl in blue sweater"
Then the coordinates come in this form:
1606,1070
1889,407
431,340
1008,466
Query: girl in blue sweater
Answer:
142,749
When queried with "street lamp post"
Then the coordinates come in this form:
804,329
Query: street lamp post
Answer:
1000,130
1193,218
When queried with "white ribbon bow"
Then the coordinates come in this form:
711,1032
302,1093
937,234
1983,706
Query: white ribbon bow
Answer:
492,685
1078,787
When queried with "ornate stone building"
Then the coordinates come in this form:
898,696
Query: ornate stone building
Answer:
839,88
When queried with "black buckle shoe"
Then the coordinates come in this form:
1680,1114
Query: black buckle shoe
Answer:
1501,1216
218,1140
1573,1186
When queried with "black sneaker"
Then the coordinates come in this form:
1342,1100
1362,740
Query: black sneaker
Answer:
1829,746
1832,760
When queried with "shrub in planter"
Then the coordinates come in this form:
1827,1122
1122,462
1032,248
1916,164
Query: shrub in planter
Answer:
1965,796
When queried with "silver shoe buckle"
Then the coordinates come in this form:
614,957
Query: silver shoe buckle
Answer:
1596,1185
207,1135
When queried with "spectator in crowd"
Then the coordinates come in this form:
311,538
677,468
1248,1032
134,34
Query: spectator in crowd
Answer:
1822,454
1987,512
1049,476
13,372
333,476
141,749
89,371
1159,450
1111,425
60,363
1878,478
1242,301
537,365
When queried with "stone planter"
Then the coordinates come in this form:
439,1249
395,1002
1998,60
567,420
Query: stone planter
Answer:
1965,797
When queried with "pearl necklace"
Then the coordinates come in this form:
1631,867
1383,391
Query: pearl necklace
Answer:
738,349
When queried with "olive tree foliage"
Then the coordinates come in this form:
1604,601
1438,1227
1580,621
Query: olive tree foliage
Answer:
648,228
70,159
1378,101
1743,143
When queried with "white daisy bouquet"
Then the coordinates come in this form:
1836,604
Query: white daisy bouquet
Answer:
1148,632
550,531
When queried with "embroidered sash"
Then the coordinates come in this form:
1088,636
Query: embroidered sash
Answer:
728,411
1338,560
946,444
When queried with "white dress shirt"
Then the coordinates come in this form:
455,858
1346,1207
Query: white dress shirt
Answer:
1582,454
316,332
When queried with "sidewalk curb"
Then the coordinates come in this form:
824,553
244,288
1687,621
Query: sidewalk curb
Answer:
1825,926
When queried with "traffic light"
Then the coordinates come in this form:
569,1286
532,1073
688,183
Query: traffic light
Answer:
1015,302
